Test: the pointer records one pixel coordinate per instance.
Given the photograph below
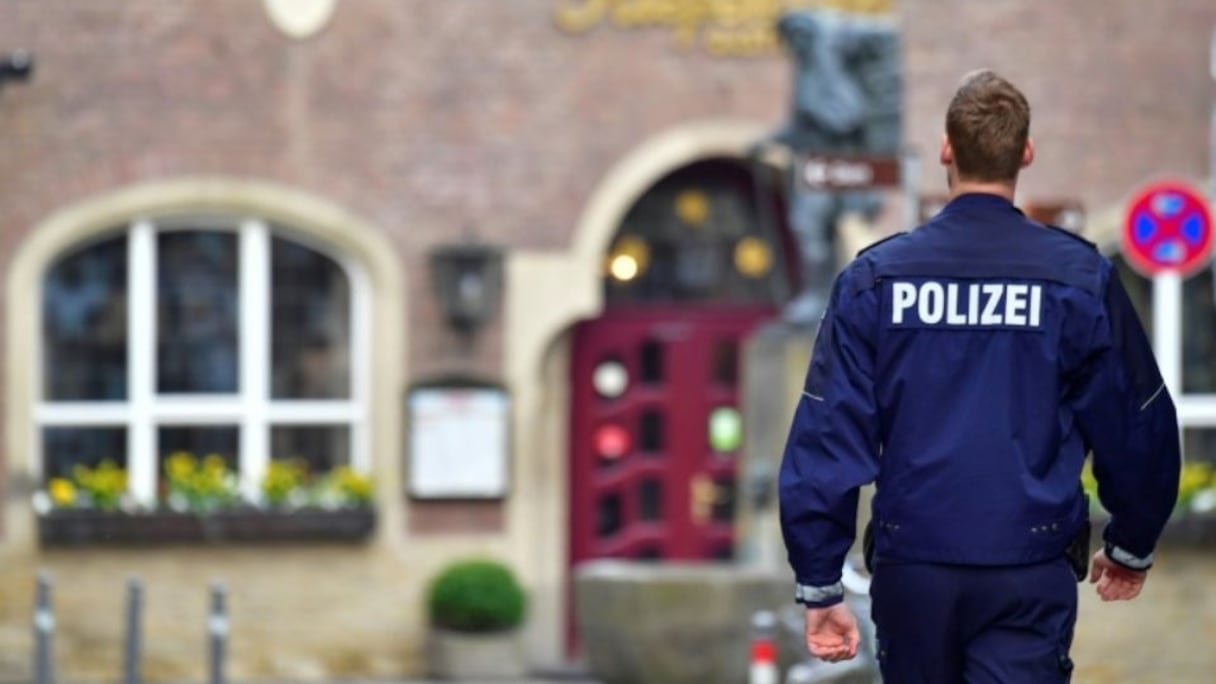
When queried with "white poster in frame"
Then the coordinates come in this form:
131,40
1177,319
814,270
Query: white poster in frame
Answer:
458,442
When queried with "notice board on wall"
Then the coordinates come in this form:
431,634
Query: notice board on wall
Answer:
458,442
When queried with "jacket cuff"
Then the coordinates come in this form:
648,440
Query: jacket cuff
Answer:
1127,559
819,597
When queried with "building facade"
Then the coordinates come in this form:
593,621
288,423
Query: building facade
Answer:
218,230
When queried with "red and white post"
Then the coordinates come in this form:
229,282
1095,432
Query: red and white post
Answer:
763,667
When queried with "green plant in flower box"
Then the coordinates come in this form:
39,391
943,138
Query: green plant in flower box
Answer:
101,487
198,485
285,481
348,487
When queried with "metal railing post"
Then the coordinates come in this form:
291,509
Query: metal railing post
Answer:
44,631
217,631
131,660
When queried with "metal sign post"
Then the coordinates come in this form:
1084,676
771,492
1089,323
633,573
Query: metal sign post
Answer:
1167,236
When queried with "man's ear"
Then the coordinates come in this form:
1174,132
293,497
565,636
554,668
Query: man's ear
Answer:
946,156
1028,153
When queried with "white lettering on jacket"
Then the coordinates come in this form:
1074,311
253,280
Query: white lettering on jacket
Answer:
931,303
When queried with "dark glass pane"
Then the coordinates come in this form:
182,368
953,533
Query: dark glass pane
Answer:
726,362
310,335
65,448
724,503
323,448
652,362
608,516
650,500
651,429
197,312
1198,334
681,239
649,552
84,324
1199,445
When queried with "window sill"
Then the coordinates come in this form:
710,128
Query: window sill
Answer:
80,528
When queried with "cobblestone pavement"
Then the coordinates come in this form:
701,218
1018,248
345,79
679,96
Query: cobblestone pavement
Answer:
1167,635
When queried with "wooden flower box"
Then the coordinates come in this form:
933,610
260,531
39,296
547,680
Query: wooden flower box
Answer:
78,528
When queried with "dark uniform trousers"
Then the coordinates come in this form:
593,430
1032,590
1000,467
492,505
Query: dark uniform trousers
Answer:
945,624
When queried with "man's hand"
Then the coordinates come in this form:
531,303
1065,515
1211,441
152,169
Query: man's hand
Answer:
831,633
1115,582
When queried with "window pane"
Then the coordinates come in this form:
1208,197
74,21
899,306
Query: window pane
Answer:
608,519
311,327
84,324
650,500
197,312
652,362
66,448
199,442
708,232
725,368
651,430
1199,334
322,447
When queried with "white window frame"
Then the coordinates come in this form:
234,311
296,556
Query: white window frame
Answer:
1194,410
251,408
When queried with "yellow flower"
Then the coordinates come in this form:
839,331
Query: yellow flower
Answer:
104,484
63,492
179,465
1088,481
215,464
1195,477
283,477
353,486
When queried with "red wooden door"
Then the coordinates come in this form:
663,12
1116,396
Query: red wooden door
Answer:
656,433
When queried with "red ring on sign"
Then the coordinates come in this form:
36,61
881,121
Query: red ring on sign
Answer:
1168,228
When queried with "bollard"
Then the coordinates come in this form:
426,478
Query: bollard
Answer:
44,631
763,667
135,600
217,631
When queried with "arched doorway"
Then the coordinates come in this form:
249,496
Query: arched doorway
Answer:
696,265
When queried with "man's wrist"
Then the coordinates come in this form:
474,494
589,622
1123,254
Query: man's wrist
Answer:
823,596
1124,558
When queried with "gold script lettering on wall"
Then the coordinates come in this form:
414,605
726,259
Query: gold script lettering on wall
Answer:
723,28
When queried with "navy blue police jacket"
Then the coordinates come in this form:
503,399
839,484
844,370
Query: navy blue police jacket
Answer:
968,367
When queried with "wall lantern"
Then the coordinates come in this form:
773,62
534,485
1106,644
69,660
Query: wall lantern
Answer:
16,66
468,283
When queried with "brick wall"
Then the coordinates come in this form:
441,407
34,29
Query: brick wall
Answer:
429,118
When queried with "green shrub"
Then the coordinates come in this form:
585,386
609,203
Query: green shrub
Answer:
476,596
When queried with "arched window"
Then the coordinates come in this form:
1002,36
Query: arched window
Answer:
227,336
708,232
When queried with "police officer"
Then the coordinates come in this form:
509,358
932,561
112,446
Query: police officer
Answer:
968,367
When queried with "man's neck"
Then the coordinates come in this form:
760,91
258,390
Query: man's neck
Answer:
1005,190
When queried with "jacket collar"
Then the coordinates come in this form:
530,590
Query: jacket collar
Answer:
979,201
